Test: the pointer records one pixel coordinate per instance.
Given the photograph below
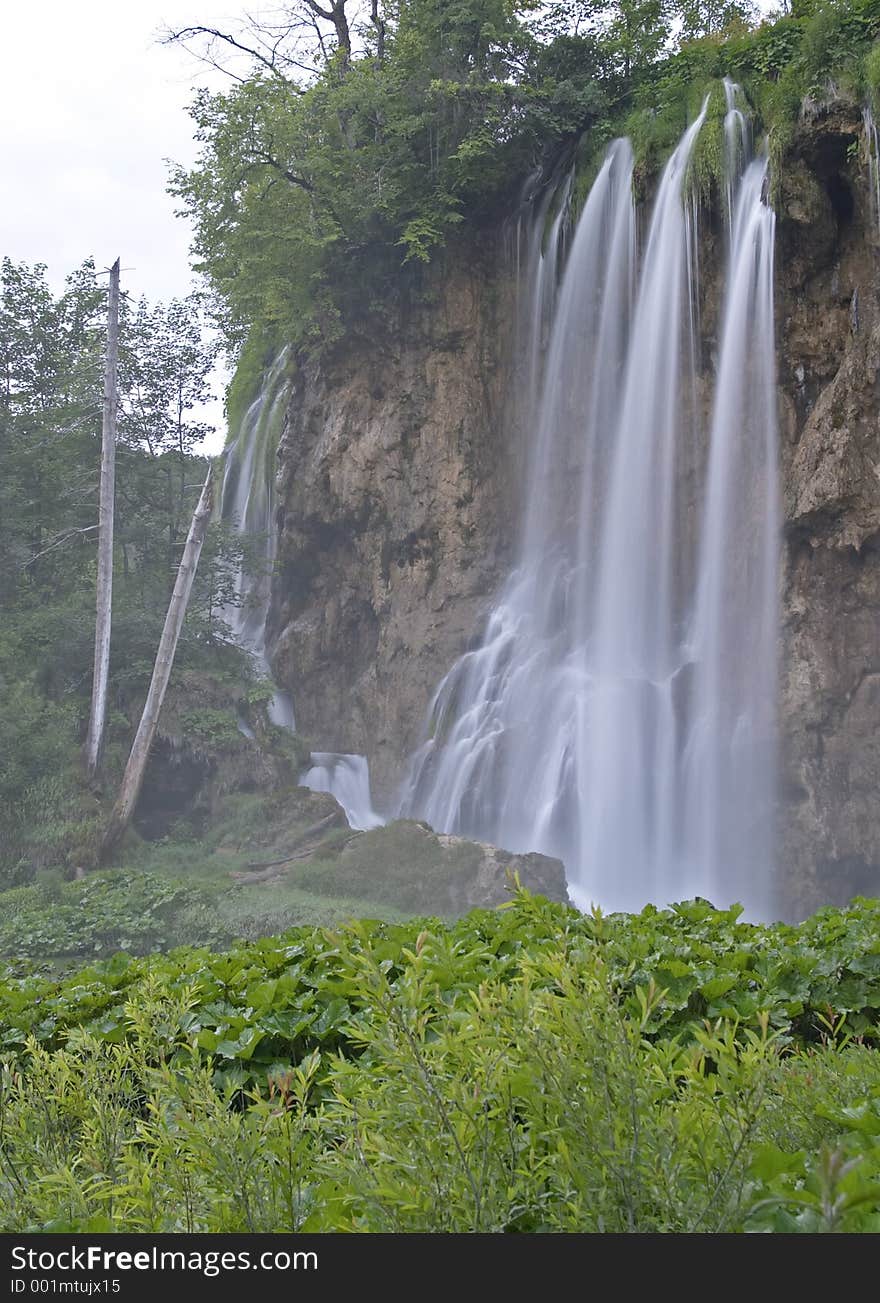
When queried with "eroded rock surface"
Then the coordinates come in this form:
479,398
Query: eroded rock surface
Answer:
396,523
829,304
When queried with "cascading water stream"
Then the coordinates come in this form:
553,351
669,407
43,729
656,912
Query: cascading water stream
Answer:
347,778
729,760
492,765
618,711
632,653
872,148
737,144
247,504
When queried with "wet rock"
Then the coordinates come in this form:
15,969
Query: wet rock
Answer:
407,866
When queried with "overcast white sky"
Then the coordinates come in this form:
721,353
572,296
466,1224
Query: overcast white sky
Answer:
90,106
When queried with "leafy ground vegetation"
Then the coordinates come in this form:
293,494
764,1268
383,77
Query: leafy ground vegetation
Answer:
527,1069
188,888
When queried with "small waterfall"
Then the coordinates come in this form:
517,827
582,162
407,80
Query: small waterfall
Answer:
347,778
247,504
618,711
737,144
872,149
537,286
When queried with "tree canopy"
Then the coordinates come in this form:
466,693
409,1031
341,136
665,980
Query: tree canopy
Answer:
354,138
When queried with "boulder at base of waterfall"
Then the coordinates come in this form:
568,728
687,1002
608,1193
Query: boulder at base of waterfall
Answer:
408,867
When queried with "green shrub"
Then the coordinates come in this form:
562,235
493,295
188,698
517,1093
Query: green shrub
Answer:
527,1069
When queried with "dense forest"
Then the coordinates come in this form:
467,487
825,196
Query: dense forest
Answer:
187,1044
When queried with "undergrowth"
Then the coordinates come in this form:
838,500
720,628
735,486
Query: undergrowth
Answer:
527,1069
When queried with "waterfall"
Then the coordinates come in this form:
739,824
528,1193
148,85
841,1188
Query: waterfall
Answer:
347,778
247,505
618,710
491,766
730,753
872,149
736,144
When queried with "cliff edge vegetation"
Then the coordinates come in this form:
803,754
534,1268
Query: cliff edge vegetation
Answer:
332,164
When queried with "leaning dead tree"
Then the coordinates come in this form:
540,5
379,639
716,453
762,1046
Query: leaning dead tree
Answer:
98,712
140,752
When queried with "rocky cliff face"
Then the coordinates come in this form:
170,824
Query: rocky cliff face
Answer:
397,489
829,305
396,485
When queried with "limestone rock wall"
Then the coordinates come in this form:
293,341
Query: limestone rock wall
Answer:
397,491
829,371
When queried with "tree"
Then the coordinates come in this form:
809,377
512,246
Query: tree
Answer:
50,405
711,17
106,507
293,43
51,366
166,368
133,777
313,186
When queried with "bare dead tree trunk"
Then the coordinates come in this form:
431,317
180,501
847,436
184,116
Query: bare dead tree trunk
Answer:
137,761
98,712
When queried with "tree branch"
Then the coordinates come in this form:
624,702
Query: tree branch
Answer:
58,541
179,37
265,157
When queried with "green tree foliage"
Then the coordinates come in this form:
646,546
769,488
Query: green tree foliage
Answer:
308,192
825,48
632,34
325,171
712,17
50,424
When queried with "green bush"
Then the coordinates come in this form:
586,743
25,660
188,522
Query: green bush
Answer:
527,1069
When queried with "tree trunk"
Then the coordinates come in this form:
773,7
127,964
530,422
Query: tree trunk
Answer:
137,762
378,23
343,35
98,712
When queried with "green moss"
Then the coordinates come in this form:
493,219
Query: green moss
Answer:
706,171
872,76
402,866
255,359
